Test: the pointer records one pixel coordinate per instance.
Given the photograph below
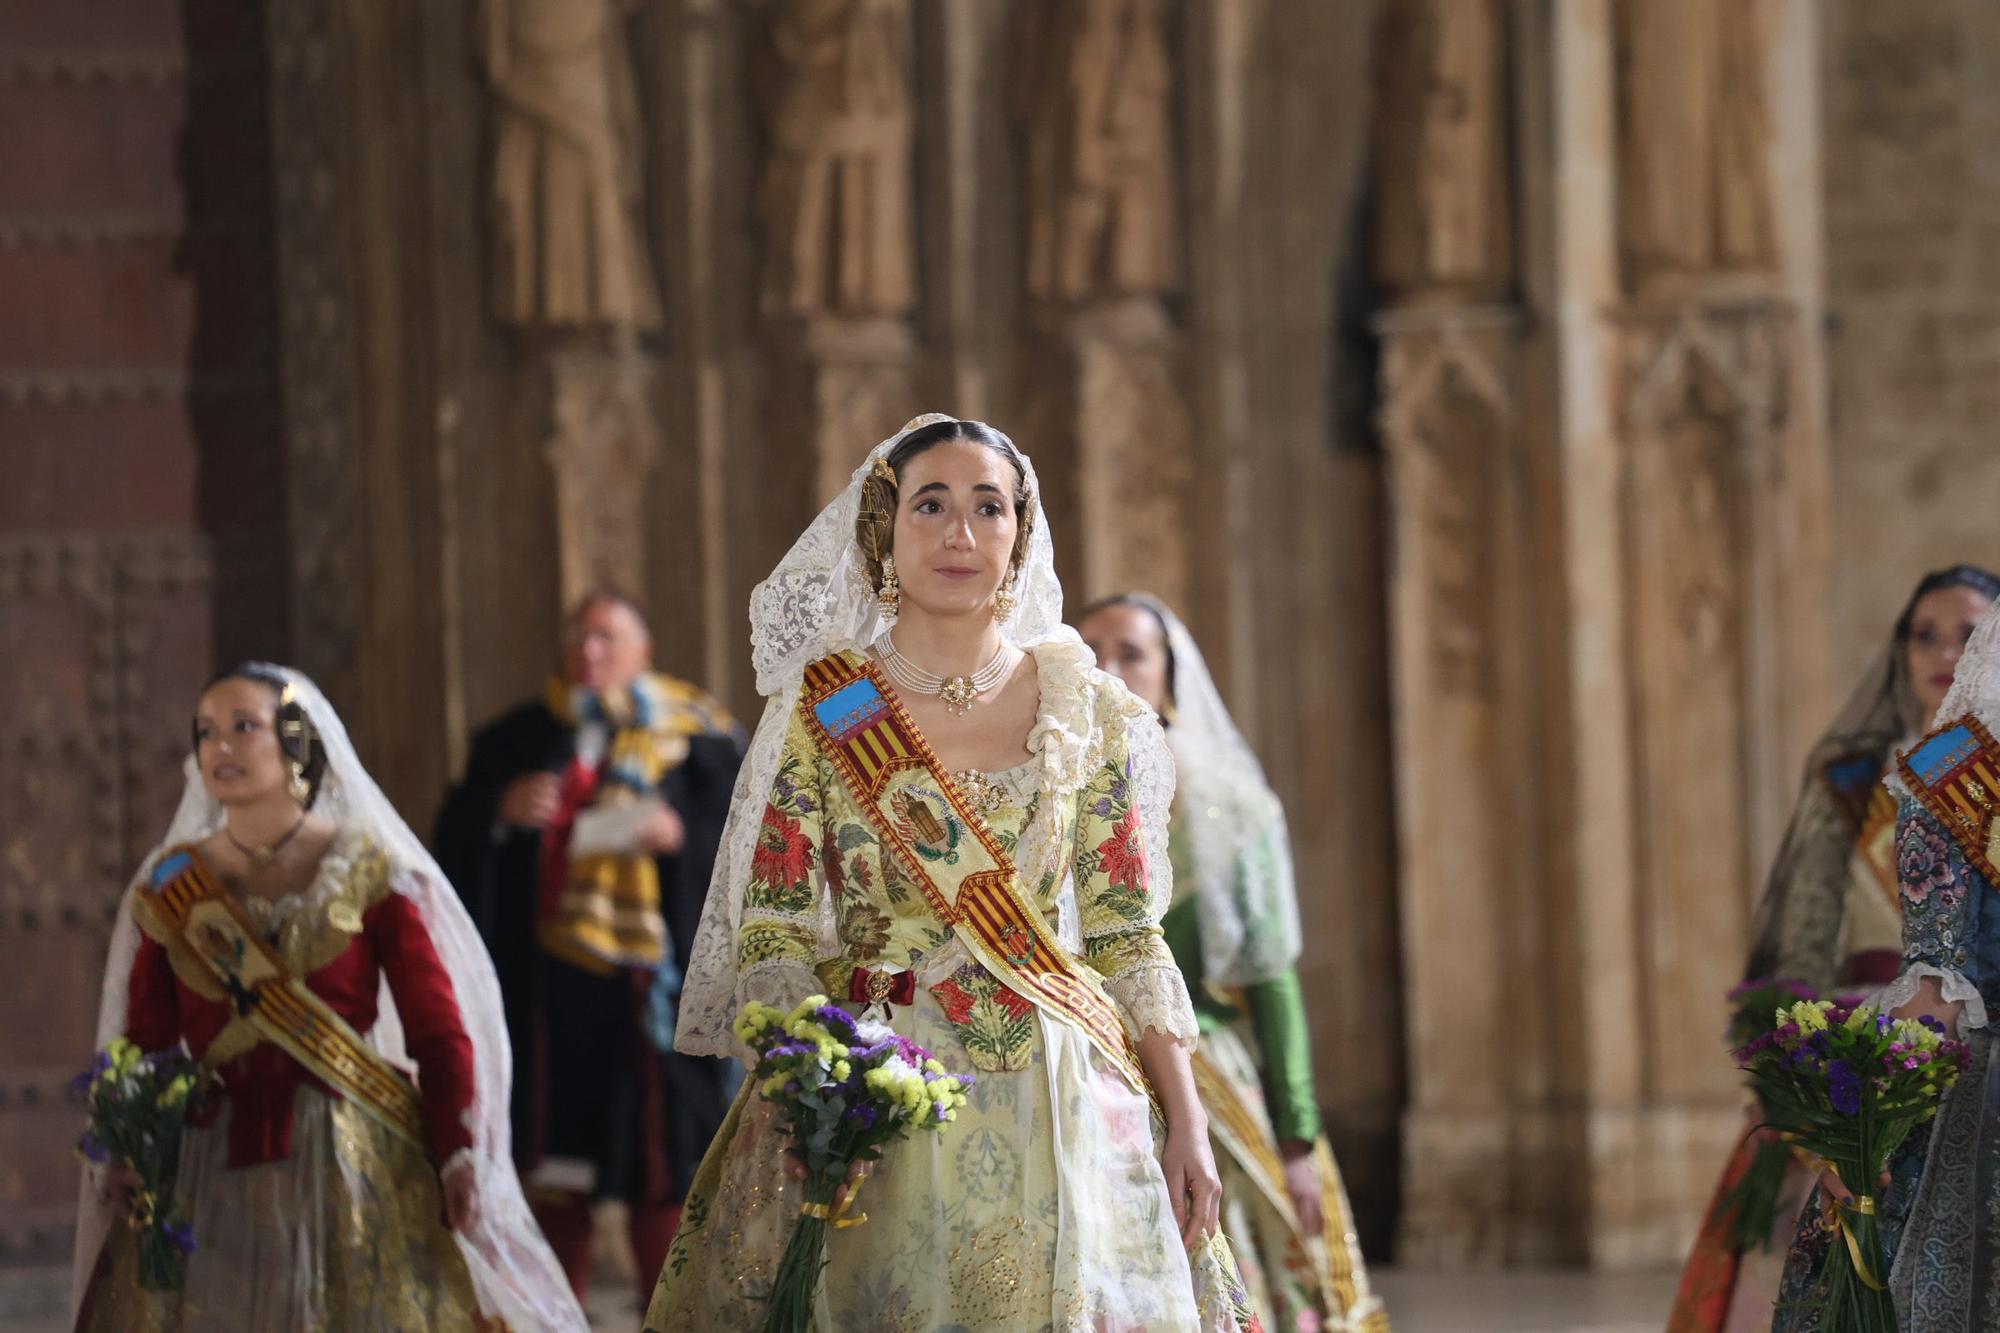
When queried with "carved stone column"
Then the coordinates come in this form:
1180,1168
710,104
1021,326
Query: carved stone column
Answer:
1106,372
1606,508
1461,625
602,442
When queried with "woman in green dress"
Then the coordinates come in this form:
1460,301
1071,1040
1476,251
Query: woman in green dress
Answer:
1234,929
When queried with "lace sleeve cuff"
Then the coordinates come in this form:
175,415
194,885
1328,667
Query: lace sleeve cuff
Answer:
1154,996
1954,986
780,984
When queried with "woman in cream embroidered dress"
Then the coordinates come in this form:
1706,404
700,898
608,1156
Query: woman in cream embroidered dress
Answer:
309,1210
1234,930
1057,1200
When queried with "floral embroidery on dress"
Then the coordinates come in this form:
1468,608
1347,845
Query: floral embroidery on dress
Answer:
1923,860
995,1023
864,929
781,866
1111,870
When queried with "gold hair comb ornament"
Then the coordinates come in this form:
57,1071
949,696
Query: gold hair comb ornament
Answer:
927,419
880,467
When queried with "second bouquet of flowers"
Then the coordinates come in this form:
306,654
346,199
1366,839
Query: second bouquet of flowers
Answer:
139,1106
1849,1085
844,1089
1757,1007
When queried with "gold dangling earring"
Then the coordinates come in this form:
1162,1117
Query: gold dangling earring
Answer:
301,789
1003,601
890,596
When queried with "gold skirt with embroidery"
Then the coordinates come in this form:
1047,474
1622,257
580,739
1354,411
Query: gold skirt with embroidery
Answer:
1041,1208
345,1234
1295,1281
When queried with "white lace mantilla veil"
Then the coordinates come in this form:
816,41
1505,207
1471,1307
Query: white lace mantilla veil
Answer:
1975,690
1246,901
513,1270
819,601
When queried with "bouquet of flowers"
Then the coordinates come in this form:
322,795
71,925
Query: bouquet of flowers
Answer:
844,1090
138,1104
1753,1202
1849,1085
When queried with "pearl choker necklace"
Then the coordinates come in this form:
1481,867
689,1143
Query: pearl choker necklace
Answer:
959,693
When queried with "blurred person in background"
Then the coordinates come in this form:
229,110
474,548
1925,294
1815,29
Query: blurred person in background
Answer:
582,838
1234,931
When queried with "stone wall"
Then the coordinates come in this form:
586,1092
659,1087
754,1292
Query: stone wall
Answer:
1912,113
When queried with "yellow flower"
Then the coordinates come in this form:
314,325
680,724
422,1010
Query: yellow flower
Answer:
932,1066
1810,1015
755,1020
1861,1019
841,1071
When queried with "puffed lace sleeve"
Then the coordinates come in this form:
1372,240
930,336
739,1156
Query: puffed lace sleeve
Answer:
777,940
1119,897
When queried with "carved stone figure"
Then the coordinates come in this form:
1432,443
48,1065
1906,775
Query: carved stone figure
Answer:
568,245
1441,147
1695,127
1104,206
836,196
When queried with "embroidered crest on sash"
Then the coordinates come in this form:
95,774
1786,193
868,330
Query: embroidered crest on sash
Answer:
1955,772
190,912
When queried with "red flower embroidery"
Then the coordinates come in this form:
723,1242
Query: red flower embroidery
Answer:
1014,1003
954,1000
783,851
1123,856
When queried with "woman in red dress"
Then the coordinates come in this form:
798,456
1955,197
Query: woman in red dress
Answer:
294,936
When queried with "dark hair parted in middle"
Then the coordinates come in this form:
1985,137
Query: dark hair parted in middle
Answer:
1982,581
298,740
1152,609
875,525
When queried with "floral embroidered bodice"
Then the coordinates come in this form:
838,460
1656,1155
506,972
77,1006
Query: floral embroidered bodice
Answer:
823,895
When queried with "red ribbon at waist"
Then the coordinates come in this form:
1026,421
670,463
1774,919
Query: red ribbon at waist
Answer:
882,987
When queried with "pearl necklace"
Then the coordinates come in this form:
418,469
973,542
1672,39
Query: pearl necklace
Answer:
959,693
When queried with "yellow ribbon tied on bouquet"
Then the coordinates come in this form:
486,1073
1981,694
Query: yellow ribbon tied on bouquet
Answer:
838,1216
1865,1205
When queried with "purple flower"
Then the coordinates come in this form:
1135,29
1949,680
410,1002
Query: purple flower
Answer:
1843,1086
92,1149
1931,1023
837,1020
862,1114
181,1235
1102,807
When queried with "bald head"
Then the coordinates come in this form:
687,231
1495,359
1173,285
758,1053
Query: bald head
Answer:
606,645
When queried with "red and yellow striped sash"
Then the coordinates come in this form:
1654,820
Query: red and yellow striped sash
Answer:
869,737
208,927
1955,773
